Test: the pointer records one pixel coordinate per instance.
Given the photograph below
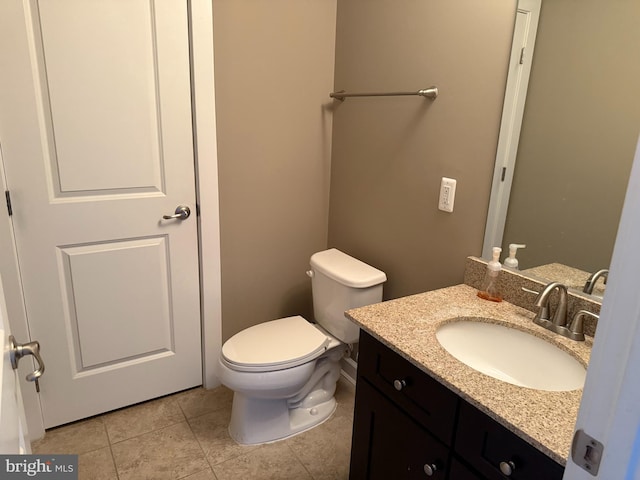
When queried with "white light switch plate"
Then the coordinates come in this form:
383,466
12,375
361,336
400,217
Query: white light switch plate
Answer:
447,194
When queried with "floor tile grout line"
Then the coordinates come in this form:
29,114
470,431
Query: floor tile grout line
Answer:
299,460
155,430
115,465
173,423
213,465
200,471
187,420
206,457
158,430
184,414
109,444
148,432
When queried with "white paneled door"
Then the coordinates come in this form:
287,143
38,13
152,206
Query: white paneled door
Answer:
96,135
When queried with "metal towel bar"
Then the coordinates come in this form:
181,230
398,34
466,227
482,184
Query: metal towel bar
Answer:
431,92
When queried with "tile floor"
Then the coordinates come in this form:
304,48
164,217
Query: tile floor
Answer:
184,436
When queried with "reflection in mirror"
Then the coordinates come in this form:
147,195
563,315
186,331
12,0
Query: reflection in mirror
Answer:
578,136
588,283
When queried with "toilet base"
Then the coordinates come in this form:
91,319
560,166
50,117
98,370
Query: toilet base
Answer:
256,421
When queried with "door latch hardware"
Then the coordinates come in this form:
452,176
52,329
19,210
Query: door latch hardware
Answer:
586,452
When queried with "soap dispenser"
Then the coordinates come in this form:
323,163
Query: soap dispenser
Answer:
489,288
511,261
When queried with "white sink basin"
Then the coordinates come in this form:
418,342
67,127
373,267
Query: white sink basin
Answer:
511,355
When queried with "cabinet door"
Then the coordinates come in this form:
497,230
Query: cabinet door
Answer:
427,401
388,444
485,444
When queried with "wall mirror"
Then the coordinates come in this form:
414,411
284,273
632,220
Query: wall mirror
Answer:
579,132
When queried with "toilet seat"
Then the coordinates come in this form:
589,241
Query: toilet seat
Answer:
275,345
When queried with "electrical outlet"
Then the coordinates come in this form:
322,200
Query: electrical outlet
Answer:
447,194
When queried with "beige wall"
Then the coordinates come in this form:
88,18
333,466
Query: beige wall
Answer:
389,154
579,134
274,70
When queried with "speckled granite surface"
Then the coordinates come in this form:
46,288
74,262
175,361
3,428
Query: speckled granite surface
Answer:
510,284
408,325
570,276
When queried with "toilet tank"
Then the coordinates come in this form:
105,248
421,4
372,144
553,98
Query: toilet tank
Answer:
340,282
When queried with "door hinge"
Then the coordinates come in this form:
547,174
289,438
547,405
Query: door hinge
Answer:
7,196
522,56
586,452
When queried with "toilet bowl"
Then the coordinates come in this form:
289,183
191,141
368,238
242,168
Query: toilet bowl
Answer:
297,372
284,372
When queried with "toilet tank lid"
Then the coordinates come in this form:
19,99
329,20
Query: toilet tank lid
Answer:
346,270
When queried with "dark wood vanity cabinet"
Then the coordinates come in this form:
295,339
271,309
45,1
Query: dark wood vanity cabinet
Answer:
407,425
395,446
485,444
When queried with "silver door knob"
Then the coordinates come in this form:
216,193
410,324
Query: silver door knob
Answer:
17,351
182,212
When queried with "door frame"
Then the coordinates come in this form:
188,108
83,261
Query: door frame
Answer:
510,125
206,167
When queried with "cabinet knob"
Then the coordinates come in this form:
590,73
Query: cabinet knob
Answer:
399,384
507,468
430,469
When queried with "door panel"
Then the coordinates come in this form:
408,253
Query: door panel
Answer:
124,312
109,104
95,125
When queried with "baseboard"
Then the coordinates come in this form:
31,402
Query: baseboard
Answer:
349,369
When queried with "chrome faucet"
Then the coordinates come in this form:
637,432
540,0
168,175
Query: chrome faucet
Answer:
557,323
593,278
542,302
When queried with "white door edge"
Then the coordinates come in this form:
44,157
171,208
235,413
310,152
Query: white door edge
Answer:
510,124
610,411
201,18
14,433
17,317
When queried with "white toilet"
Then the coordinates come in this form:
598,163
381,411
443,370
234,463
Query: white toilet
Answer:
284,372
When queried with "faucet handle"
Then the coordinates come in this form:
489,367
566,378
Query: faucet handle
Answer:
576,327
530,290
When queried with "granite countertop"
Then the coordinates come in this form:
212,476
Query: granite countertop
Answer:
572,277
407,325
